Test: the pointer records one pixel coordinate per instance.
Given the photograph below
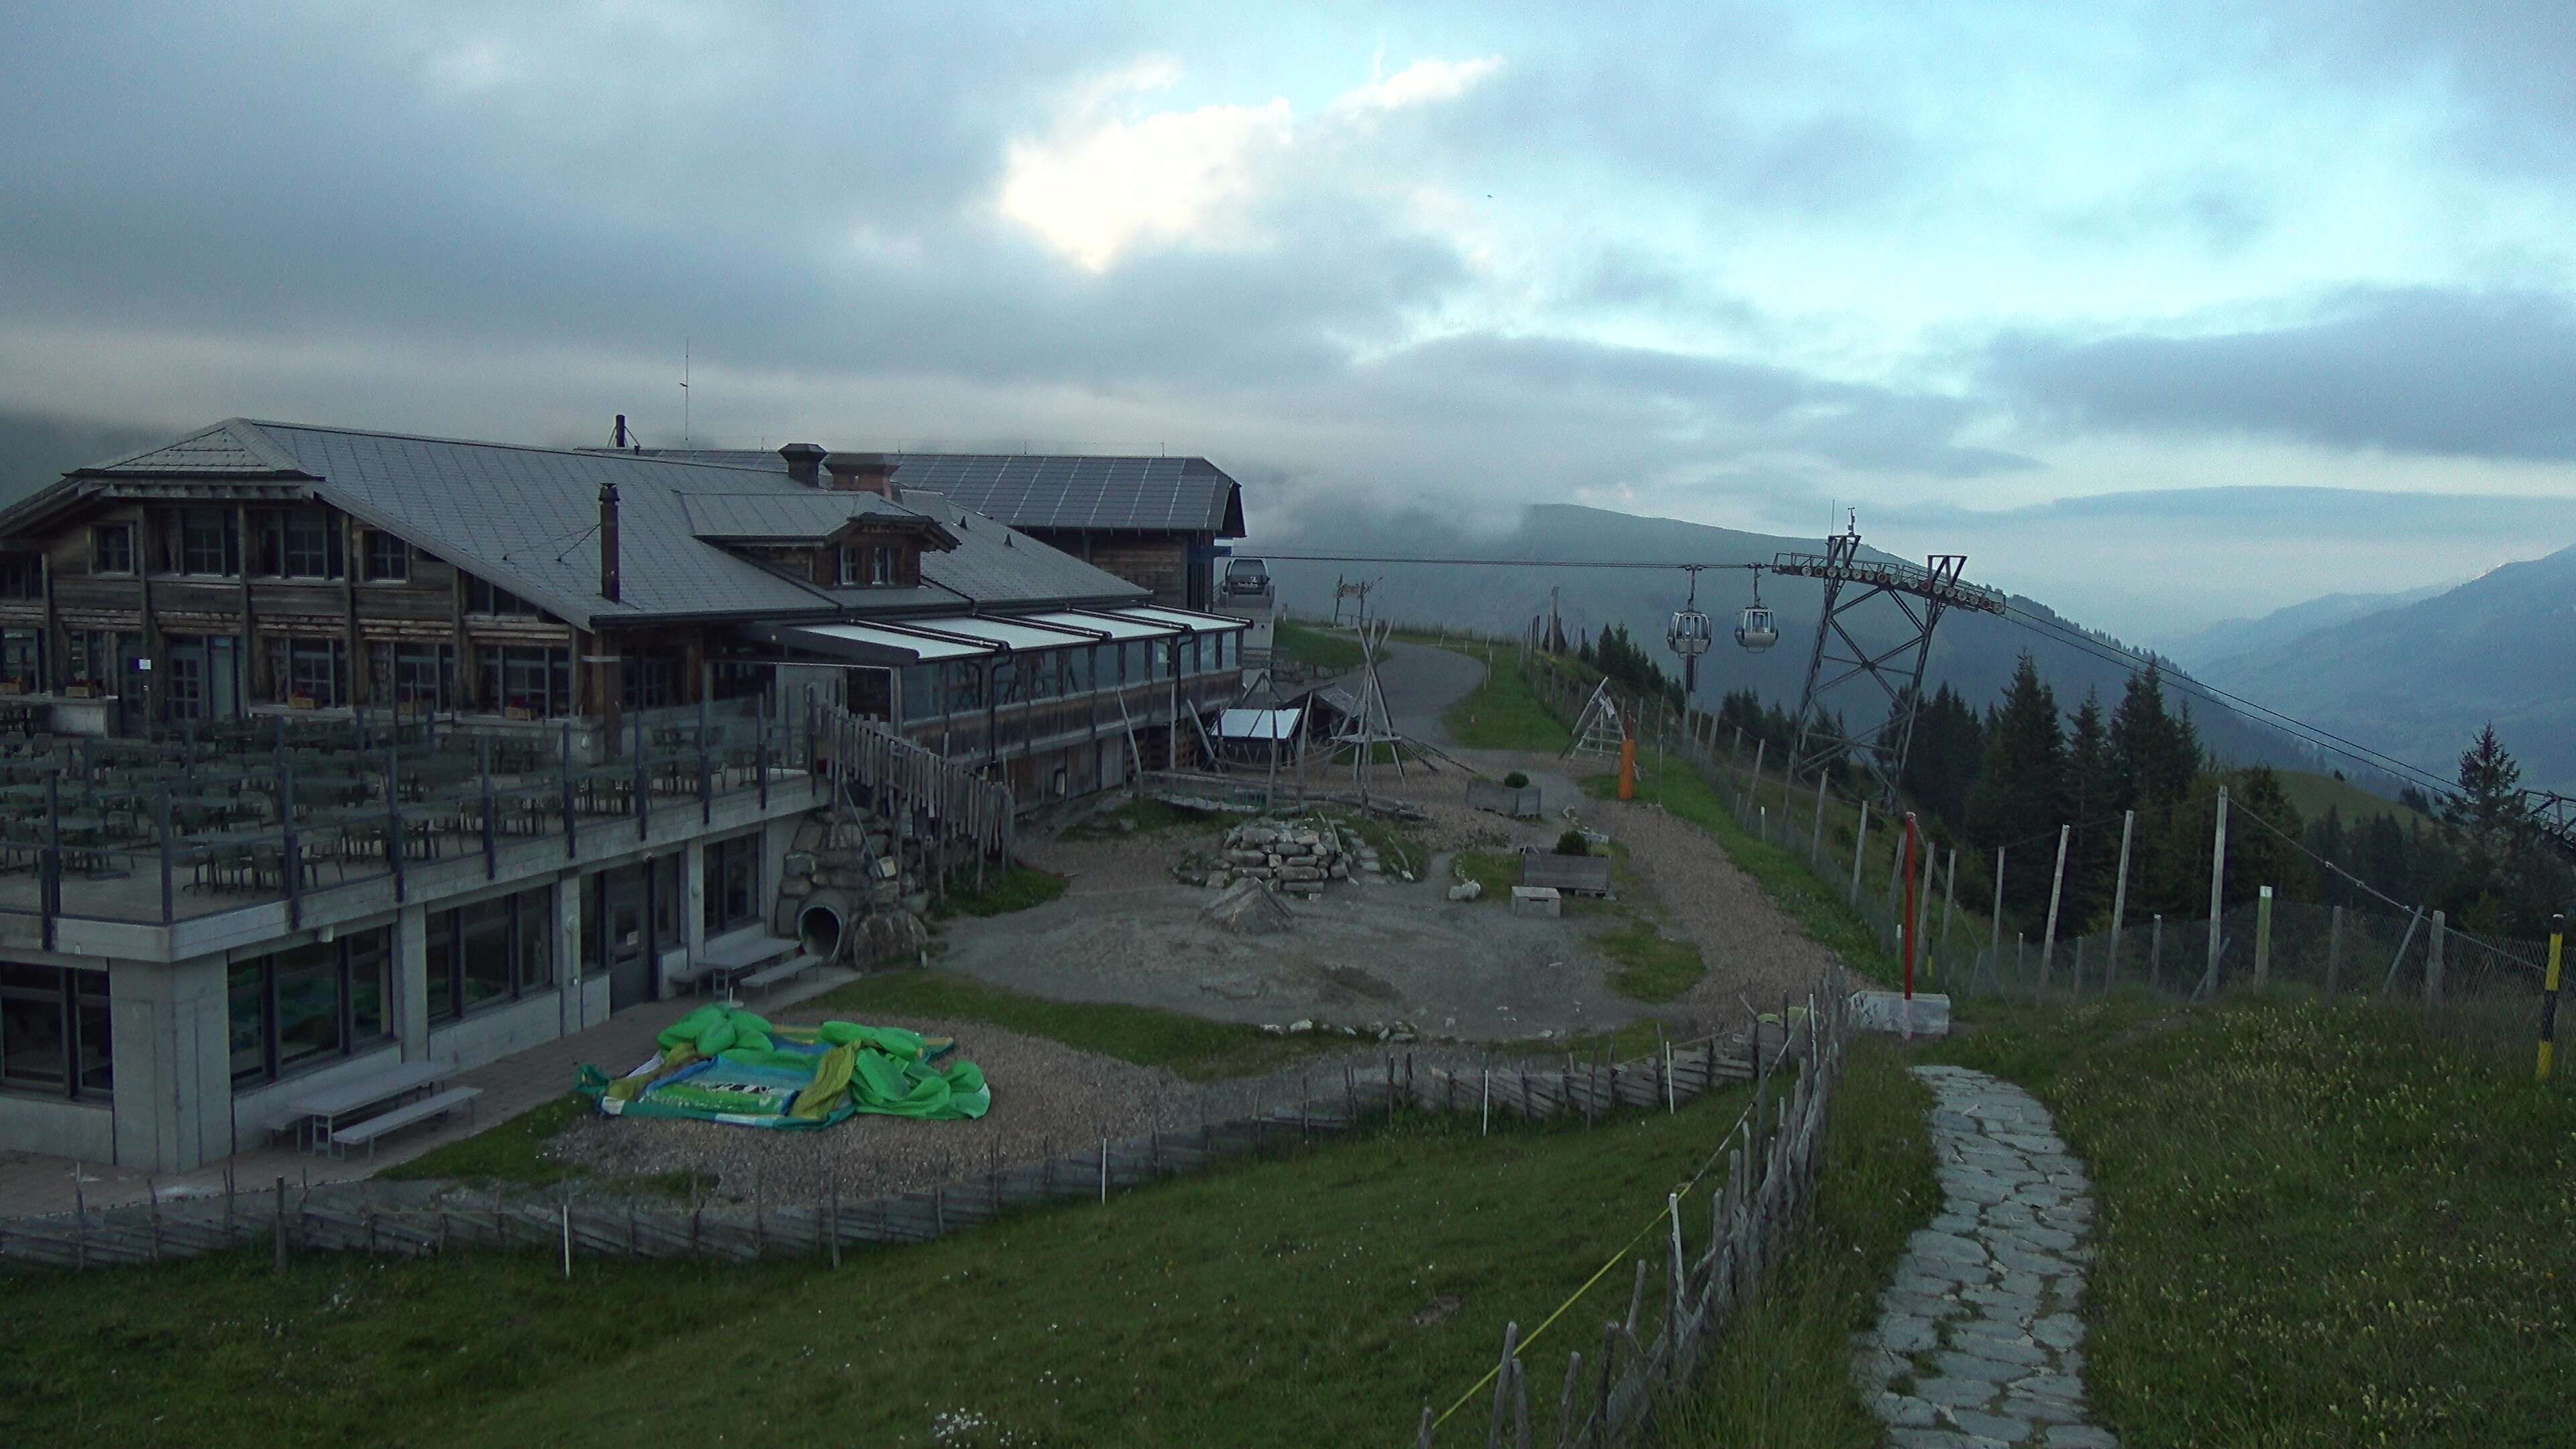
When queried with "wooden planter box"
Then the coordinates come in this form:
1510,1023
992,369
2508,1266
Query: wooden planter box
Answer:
515,712
13,686
301,701
80,691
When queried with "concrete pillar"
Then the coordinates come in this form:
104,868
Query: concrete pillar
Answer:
570,969
411,982
173,1063
693,897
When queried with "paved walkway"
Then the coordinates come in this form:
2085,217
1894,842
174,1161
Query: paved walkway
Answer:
1979,1344
32,1184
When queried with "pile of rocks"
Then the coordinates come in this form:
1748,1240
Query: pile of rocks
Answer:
1387,1031
1299,857
859,864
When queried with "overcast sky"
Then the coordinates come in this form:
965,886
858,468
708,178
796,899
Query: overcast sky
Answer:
2054,284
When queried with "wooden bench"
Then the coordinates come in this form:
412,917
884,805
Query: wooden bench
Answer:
403,1116
770,976
1571,874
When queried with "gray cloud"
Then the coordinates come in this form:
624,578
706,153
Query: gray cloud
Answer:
2446,373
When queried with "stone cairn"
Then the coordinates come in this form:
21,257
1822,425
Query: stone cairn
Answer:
860,859
1298,857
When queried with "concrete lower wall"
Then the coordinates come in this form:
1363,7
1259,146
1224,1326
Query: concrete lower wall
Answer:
85,1130
497,1032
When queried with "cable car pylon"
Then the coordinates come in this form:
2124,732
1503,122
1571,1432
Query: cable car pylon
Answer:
1919,595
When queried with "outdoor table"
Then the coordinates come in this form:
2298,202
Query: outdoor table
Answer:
322,1109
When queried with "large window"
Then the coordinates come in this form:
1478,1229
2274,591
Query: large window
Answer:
1135,660
111,549
205,541
652,678
388,558
482,598
305,544
22,657
308,1005
54,1031
22,576
531,677
866,566
924,692
732,882
490,952
314,669
413,676
965,686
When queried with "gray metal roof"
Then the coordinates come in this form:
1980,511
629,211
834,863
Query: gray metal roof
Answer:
795,515
1053,490
527,519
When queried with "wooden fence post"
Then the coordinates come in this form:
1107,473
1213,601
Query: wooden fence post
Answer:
2263,937
2056,889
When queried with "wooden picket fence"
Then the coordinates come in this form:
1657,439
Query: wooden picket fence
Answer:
424,1218
1757,1203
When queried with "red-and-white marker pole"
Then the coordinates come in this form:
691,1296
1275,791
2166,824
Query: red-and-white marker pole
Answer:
1911,845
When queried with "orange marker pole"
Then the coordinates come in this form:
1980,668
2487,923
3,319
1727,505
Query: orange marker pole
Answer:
1628,769
1908,930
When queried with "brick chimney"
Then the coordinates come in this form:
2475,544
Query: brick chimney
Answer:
804,464
608,541
861,473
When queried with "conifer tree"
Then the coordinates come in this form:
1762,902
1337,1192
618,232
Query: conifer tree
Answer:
2020,796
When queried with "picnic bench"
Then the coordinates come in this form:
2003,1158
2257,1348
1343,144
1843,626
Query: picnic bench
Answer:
720,964
793,966
1585,875
324,1109
438,1105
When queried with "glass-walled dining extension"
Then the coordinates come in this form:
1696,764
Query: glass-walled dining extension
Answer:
1057,703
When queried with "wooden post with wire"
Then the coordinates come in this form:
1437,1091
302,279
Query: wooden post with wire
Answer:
2549,996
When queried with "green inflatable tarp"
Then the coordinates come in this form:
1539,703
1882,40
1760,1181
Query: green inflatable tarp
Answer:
724,1064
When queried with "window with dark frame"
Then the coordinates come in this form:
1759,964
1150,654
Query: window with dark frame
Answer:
207,543
532,677
54,1032
490,953
111,548
314,669
731,883
304,1007
483,597
388,558
866,566
416,676
22,576
652,678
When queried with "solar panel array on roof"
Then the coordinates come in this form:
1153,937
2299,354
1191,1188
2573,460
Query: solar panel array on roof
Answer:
1053,490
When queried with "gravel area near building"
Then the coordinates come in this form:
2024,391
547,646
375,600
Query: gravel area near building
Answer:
1046,1097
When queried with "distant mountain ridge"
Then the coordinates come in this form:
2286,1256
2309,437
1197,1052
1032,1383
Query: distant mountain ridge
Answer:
2419,680
1973,653
2227,639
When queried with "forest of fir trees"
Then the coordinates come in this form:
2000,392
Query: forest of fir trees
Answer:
2011,775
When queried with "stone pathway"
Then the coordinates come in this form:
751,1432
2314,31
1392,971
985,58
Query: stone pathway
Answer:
1978,1343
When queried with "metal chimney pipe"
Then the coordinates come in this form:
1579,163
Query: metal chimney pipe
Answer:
608,583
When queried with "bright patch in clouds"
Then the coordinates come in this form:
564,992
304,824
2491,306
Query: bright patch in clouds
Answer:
1423,83
1100,186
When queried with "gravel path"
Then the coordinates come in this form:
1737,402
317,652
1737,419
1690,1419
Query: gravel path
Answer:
1978,1343
1046,1096
1754,950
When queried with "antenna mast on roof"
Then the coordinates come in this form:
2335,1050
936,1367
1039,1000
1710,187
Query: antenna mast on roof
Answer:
684,392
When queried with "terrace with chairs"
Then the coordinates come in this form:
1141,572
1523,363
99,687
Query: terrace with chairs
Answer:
271,812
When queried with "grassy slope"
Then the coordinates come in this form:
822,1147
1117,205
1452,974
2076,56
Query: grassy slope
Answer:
1782,873
1272,1303
2312,793
2319,1228
1309,645
1783,1378
1502,714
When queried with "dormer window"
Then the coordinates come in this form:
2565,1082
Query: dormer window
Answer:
866,566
